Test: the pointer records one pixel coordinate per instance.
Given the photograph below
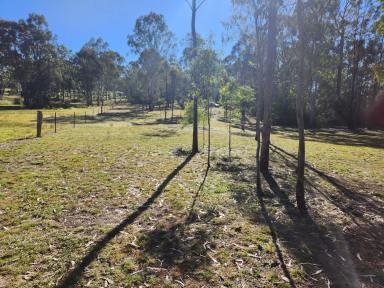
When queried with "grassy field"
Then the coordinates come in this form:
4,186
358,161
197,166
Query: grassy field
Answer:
119,202
21,124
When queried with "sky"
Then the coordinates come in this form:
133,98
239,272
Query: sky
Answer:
75,21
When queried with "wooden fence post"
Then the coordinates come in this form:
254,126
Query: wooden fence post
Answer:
55,122
39,123
85,117
74,119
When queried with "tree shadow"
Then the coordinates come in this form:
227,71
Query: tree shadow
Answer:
191,214
74,276
310,242
366,138
181,246
358,200
158,122
163,133
245,197
268,220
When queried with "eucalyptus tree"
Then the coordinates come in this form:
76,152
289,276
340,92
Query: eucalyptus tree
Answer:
300,107
89,70
270,63
29,51
151,32
195,5
151,70
204,71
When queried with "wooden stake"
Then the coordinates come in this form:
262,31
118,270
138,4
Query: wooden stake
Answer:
39,123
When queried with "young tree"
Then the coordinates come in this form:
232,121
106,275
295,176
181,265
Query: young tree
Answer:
204,69
300,109
194,5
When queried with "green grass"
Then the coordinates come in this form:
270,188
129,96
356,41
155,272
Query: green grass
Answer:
21,124
61,193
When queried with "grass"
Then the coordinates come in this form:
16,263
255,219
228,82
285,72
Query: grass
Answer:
21,124
61,193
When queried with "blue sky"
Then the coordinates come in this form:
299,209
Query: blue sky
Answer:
76,21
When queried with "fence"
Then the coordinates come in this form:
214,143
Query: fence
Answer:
22,124
58,120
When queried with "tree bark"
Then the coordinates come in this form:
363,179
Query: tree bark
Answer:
269,75
300,110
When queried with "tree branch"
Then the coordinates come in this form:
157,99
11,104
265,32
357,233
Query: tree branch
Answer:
189,4
200,4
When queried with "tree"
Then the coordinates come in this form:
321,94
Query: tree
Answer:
300,109
269,77
151,32
150,63
89,69
204,69
194,5
34,60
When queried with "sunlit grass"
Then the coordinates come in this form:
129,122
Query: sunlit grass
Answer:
61,193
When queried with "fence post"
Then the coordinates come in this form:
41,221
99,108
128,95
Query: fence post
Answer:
85,117
55,122
74,119
39,123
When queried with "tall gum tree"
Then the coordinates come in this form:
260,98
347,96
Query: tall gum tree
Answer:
273,6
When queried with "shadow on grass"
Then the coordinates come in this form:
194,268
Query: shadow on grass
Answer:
196,196
357,199
312,243
162,133
176,120
181,246
268,220
74,276
171,247
366,138
321,250
244,194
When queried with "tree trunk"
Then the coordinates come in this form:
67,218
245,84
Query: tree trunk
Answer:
195,139
229,137
269,75
172,108
209,134
340,64
300,110
354,102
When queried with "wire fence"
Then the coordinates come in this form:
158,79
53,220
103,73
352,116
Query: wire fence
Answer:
25,124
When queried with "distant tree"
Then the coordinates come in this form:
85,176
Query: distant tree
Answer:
8,52
34,60
151,33
89,70
150,63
